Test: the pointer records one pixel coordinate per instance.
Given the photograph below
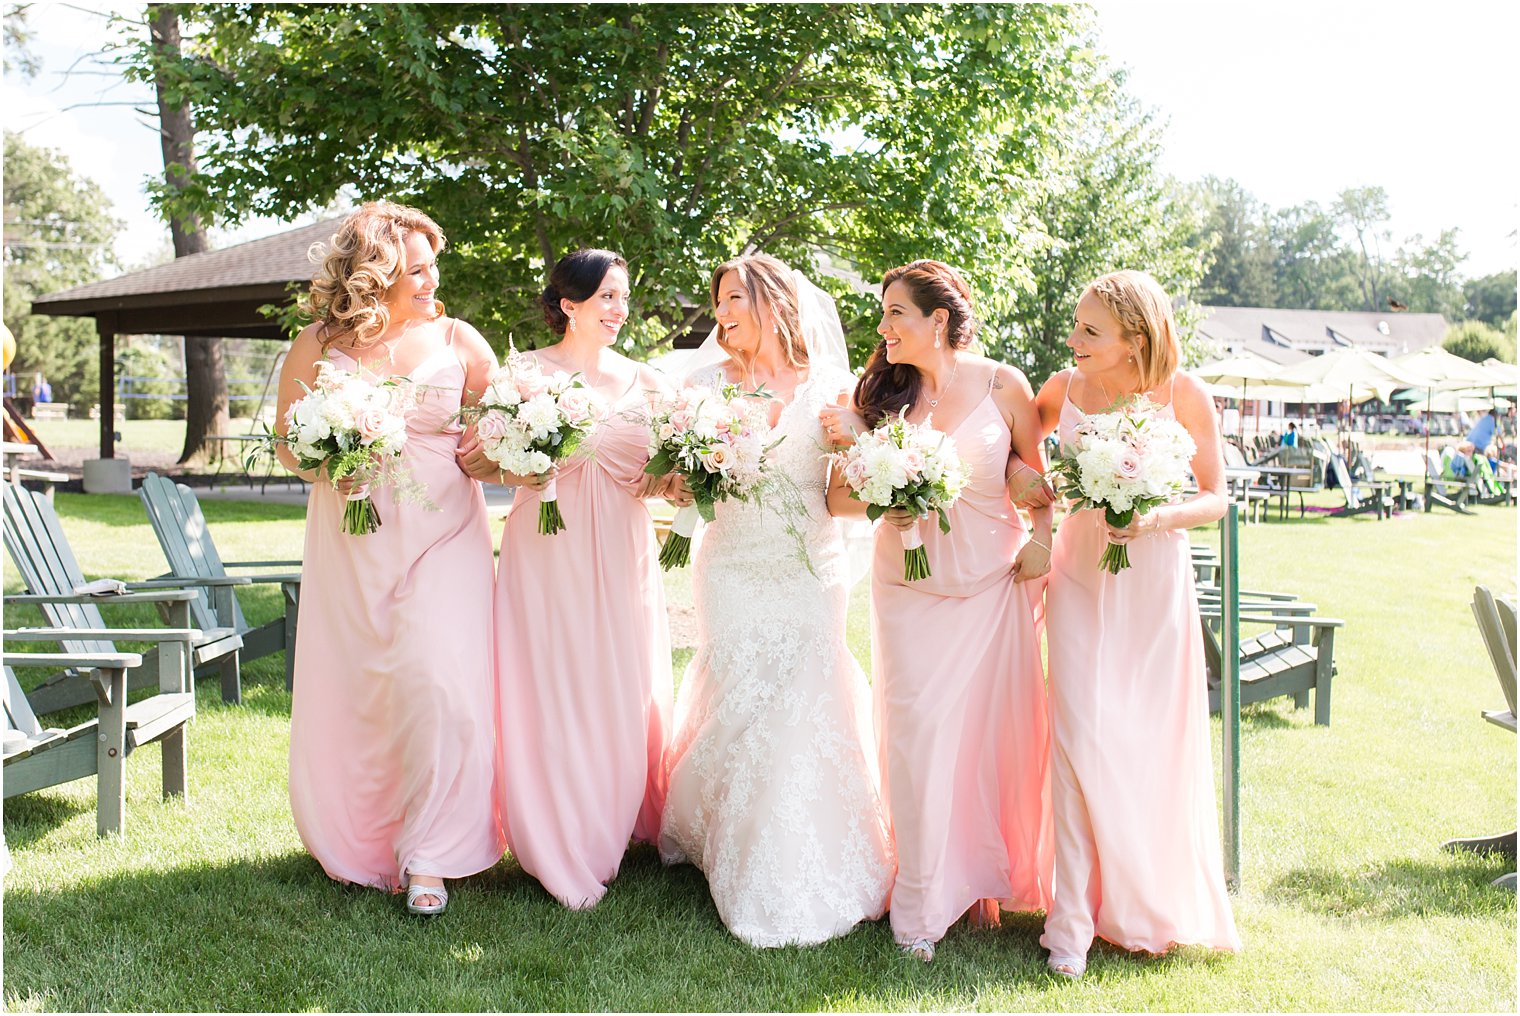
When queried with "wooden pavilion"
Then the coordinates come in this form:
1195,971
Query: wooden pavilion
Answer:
212,295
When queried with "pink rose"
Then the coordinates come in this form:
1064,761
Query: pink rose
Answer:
913,462
576,406
718,459
370,423
491,427
531,385
1127,465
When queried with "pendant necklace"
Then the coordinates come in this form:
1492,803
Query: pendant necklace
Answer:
956,365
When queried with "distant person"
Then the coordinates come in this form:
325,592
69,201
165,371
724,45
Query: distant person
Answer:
1485,430
1504,469
42,391
1290,439
1456,461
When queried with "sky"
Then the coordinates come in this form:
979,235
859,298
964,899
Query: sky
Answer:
1294,100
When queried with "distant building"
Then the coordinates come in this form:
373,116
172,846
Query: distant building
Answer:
1288,336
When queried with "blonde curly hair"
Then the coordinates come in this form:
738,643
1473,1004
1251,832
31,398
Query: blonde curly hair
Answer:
364,259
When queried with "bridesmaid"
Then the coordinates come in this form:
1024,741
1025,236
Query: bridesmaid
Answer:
582,641
1137,839
961,717
391,738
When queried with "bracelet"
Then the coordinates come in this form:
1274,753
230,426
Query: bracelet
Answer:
1037,543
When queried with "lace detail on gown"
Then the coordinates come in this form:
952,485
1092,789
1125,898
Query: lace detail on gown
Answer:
772,792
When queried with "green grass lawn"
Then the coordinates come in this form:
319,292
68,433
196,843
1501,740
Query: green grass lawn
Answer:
1347,902
136,435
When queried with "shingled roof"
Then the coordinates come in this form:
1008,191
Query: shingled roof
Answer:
1290,335
217,293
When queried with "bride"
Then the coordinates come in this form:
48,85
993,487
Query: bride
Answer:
772,792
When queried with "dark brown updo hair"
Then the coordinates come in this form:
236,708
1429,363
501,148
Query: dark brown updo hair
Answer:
575,277
886,387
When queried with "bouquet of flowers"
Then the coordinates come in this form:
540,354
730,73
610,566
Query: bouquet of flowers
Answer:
905,465
1126,462
354,427
716,440
528,420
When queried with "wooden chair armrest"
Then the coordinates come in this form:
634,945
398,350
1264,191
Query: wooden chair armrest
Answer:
1255,594
1281,620
180,581
53,661
166,595
261,564
1268,606
81,634
283,578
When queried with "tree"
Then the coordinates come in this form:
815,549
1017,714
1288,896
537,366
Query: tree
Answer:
58,233
19,57
1425,277
205,377
1490,299
680,134
1311,268
1476,341
1235,231
1101,205
1364,211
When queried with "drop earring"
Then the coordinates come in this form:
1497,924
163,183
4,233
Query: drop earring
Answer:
936,336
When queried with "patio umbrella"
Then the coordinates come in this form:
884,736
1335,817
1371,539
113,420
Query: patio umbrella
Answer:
1354,371
1446,372
1238,371
1452,402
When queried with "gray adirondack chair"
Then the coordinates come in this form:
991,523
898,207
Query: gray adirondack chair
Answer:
177,520
1295,657
36,757
1453,494
1496,623
1361,495
47,565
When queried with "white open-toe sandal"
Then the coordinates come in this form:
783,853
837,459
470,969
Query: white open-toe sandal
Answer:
920,949
1068,967
413,891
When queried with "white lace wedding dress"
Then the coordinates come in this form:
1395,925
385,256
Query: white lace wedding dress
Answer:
773,792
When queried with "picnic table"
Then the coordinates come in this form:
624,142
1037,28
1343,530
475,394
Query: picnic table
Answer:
222,449
1242,484
1279,483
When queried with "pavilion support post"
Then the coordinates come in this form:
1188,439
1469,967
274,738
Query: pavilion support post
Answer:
107,474
105,327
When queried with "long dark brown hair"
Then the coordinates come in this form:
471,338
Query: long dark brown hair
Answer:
885,387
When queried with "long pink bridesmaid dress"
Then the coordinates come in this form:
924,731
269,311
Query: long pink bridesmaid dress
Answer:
583,665
1138,860
391,733
960,705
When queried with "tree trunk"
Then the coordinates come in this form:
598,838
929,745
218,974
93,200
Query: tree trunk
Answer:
206,379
